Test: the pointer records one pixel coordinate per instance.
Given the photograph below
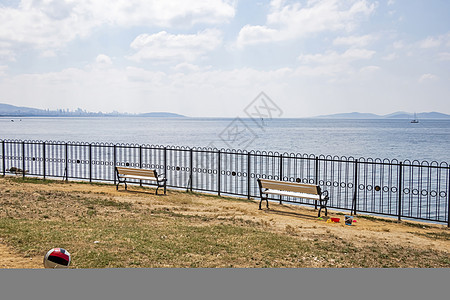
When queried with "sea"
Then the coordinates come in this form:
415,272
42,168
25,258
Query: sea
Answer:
393,139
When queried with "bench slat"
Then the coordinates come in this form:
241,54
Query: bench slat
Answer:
147,174
136,172
290,186
140,177
292,194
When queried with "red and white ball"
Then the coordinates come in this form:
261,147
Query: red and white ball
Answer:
57,258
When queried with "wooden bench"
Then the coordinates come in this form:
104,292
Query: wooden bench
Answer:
292,189
139,174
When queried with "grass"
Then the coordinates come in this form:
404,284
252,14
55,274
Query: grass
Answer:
445,236
157,231
410,224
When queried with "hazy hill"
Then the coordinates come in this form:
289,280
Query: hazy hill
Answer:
161,115
352,115
396,115
16,111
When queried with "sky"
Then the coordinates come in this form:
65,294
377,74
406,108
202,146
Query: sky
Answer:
213,58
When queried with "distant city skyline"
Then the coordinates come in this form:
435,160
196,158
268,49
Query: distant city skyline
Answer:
212,58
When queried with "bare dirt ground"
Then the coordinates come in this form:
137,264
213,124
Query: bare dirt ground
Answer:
284,218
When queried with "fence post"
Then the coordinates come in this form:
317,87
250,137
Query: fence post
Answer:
400,180
67,162
316,176
248,175
165,167
90,162
23,159
219,173
448,199
3,158
140,156
281,173
43,159
355,191
115,162
140,162
191,166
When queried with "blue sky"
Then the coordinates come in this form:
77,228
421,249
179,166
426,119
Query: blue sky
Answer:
212,58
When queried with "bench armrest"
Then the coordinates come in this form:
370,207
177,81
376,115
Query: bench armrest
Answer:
325,195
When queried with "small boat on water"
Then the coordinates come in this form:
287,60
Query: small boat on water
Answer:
415,120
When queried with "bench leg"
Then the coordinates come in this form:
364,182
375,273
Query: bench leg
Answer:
118,183
267,202
323,204
161,185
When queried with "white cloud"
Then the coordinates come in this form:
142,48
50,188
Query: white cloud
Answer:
186,67
250,34
332,64
291,21
103,61
332,57
3,70
6,52
369,69
390,57
430,42
51,24
173,47
444,56
428,77
398,45
435,41
354,41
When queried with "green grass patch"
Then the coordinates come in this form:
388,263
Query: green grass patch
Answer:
32,180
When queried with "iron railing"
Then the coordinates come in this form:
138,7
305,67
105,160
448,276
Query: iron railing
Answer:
402,189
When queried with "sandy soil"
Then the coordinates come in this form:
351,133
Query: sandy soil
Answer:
280,218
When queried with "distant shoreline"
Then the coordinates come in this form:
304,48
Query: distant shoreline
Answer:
12,111
447,117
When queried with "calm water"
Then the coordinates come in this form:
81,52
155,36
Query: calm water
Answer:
393,139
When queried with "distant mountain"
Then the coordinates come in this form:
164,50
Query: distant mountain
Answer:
396,115
8,110
433,115
161,115
353,115
424,115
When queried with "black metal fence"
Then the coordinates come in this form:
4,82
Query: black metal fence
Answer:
402,189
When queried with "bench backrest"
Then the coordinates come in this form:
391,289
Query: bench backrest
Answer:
289,186
136,172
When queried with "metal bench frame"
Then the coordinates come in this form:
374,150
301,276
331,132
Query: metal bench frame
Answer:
292,189
124,173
